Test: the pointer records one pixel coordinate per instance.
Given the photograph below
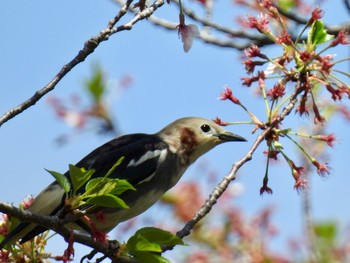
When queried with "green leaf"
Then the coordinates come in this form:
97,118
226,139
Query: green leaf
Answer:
61,179
277,145
151,239
326,231
79,176
285,131
107,201
149,257
286,5
120,160
317,34
140,243
101,186
122,186
96,85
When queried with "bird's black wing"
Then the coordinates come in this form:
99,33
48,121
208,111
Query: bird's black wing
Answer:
141,153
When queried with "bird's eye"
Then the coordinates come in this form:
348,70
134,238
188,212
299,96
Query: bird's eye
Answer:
205,127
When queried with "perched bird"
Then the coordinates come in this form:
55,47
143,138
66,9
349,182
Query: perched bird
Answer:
152,164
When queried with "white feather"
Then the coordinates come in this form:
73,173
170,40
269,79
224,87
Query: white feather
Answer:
149,155
48,200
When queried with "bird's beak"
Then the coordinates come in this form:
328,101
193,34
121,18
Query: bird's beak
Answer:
230,137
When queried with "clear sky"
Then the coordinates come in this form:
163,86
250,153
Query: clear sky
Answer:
38,37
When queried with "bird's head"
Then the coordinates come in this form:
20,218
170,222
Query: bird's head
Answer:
192,137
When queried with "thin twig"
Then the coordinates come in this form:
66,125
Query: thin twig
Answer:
89,47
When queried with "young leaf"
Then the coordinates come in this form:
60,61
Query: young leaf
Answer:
120,160
152,239
96,85
79,176
317,34
121,186
61,179
284,131
99,186
286,5
105,185
326,231
138,243
107,201
149,257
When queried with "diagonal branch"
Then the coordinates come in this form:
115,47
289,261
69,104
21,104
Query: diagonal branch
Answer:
89,47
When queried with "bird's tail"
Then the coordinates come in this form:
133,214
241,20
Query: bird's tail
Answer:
48,202
17,233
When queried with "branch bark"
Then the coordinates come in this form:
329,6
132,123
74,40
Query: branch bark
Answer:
89,47
56,224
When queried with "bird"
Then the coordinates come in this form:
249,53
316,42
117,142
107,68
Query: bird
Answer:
152,164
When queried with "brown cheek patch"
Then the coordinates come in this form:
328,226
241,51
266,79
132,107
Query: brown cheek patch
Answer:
188,141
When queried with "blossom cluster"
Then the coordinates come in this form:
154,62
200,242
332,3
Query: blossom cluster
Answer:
304,72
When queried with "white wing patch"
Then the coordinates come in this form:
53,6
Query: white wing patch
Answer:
149,155
161,154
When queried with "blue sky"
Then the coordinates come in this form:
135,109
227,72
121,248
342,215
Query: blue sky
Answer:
38,37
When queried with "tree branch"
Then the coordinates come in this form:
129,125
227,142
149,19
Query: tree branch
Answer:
56,224
89,47
347,5
245,38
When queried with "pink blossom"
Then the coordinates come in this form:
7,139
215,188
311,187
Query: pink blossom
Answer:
272,154
254,51
317,14
284,38
187,33
259,23
27,202
306,55
326,63
228,95
337,94
250,65
266,3
276,92
330,139
218,121
342,38
300,184
265,189
322,168
318,117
